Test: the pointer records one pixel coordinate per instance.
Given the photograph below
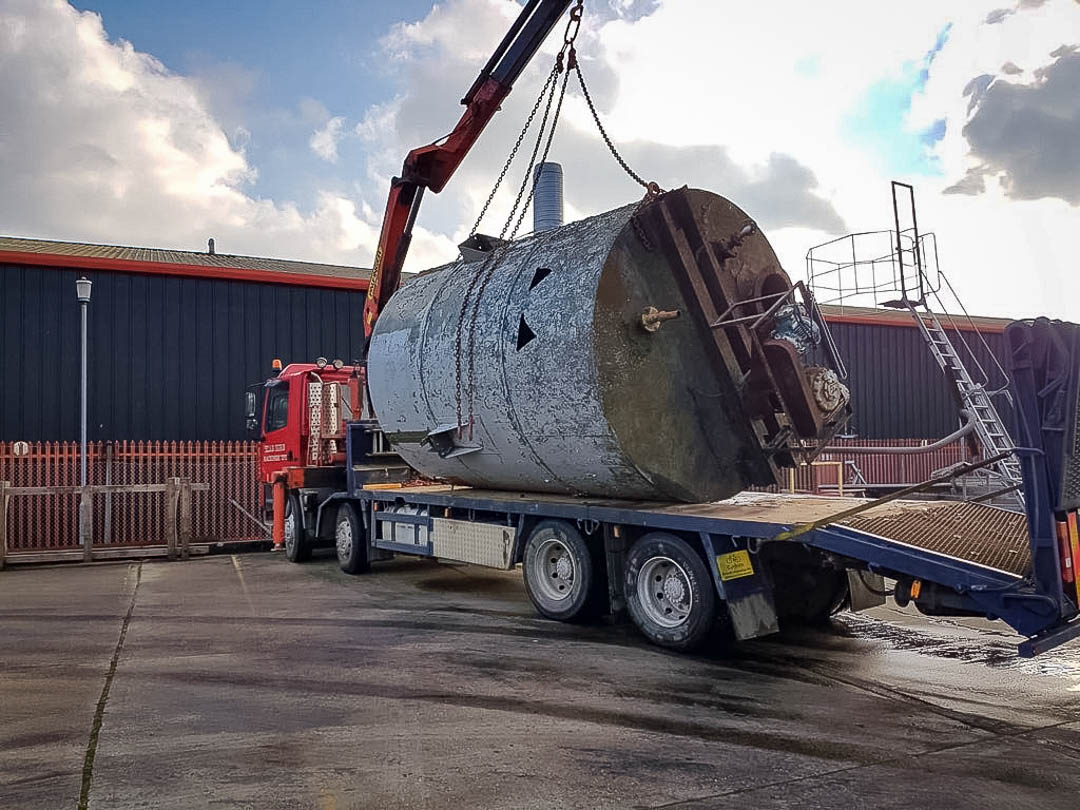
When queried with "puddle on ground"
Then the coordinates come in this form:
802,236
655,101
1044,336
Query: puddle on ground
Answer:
978,646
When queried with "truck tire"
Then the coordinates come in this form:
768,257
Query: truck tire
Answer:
668,592
805,590
297,546
351,541
559,572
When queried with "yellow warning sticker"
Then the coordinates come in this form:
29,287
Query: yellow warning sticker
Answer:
734,565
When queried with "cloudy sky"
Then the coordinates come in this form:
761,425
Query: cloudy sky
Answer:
275,126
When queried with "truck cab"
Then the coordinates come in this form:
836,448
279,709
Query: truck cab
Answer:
307,417
304,412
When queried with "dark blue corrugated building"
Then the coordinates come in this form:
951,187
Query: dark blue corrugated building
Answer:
174,336
898,391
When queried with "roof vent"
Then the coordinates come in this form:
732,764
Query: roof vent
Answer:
210,246
547,196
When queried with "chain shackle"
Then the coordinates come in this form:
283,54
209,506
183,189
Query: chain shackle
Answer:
573,25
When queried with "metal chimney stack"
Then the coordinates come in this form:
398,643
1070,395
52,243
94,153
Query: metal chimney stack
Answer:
547,197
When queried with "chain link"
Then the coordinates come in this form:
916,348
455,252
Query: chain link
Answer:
517,145
547,148
536,148
459,340
573,25
479,282
603,132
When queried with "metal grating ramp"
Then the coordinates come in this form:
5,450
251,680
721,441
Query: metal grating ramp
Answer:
969,531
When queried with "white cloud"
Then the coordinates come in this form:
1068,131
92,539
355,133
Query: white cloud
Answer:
438,57
787,77
324,141
99,142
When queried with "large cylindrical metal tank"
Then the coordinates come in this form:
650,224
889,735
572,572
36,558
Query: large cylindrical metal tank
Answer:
566,350
547,196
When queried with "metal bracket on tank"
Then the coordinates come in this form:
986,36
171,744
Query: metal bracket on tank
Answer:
477,248
444,441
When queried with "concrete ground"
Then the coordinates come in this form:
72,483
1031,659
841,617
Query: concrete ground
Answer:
245,681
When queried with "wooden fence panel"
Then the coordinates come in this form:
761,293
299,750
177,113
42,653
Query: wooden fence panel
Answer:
51,522
230,469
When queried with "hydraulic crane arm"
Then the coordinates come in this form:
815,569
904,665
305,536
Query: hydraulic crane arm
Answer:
430,167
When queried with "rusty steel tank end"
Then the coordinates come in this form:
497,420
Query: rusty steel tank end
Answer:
654,352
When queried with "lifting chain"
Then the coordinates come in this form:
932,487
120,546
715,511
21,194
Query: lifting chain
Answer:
603,134
565,62
567,54
478,284
517,145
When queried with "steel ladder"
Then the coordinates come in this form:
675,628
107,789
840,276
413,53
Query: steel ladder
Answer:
990,430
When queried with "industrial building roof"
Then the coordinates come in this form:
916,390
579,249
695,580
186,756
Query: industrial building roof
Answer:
87,256
901,317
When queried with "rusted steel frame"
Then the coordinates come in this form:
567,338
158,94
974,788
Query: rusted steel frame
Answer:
805,528
756,318
811,304
680,250
813,312
784,428
703,296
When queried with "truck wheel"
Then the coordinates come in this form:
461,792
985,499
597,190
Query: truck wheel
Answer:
558,571
668,591
297,547
805,590
350,539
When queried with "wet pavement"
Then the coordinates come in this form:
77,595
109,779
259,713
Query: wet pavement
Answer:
244,681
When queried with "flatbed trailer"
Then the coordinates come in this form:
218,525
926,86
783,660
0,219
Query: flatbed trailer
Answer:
702,561
755,561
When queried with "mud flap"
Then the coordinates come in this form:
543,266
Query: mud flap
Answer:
866,589
743,587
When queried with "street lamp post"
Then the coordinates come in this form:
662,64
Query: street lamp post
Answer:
82,291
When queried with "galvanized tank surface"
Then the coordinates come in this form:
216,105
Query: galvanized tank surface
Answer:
571,389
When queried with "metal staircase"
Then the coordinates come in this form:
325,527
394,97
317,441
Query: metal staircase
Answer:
904,261
990,430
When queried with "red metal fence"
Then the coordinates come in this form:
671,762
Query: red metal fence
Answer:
875,470
41,522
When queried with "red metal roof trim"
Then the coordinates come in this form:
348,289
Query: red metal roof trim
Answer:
905,322
190,270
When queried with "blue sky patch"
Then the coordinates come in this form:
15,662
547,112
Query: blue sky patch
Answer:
878,121
268,67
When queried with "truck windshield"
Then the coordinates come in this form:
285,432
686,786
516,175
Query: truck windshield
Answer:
277,408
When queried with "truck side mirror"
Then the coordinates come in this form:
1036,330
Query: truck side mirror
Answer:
249,410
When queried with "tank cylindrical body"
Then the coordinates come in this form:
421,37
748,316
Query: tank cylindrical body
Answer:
565,362
547,197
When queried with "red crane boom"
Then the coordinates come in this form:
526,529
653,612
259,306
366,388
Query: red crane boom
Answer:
432,166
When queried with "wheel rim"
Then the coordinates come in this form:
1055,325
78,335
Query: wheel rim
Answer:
290,531
343,537
663,589
556,570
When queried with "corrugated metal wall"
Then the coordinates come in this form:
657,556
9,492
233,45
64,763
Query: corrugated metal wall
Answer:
898,391
169,356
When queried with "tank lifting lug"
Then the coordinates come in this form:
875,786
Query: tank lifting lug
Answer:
653,318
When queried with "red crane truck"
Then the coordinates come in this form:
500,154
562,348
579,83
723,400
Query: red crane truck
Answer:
750,562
